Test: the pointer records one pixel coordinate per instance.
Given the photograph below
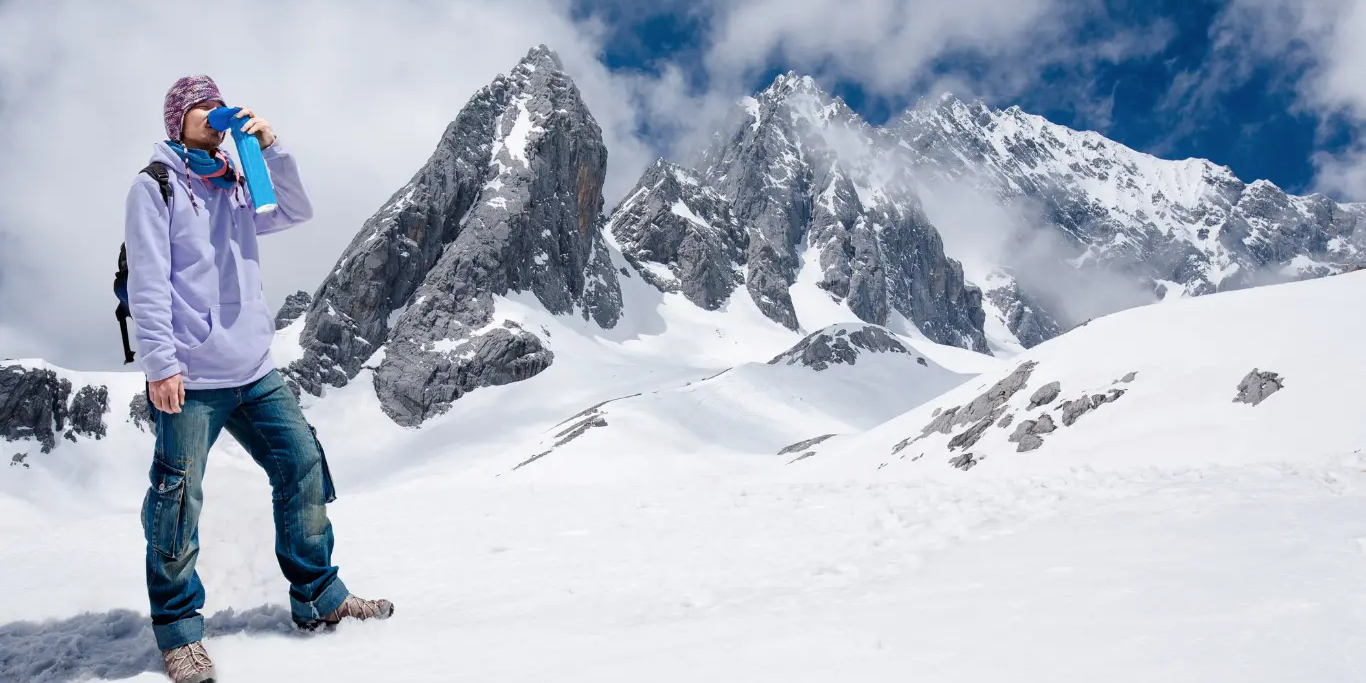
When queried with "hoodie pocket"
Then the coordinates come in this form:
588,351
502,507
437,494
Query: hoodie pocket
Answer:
163,512
238,342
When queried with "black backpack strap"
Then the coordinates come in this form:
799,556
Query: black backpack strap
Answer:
162,175
159,172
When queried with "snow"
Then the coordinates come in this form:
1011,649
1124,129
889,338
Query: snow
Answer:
680,209
1170,535
285,348
1188,357
520,135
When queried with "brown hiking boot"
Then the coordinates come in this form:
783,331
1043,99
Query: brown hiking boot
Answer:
353,608
188,664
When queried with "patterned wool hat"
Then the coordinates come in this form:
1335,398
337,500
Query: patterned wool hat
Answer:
186,93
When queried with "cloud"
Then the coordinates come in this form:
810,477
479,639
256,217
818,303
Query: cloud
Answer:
1316,50
360,94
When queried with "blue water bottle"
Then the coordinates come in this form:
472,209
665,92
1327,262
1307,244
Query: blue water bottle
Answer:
249,153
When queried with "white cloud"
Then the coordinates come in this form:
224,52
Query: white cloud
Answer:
1324,43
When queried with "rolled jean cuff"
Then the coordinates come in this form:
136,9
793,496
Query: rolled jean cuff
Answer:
176,634
332,597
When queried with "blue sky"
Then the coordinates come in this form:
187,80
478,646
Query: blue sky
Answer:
1237,105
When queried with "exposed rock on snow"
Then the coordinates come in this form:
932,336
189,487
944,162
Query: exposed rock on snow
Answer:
139,413
87,413
414,384
803,445
295,305
1257,386
987,407
1045,395
964,462
1029,434
840,344
34,404
1073,410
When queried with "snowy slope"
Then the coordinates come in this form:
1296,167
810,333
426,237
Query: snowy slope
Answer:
1152,386
744,416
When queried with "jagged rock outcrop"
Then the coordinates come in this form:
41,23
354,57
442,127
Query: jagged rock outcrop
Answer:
1257,386
140,413
36,404
1026,319
839,344
981,412
295,305
87,413
510,201
681,236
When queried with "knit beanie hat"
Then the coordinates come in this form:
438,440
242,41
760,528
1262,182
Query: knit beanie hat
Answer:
186,93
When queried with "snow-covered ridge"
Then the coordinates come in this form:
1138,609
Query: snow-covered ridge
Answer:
1257,375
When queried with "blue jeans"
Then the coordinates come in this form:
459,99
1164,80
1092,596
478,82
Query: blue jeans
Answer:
265,418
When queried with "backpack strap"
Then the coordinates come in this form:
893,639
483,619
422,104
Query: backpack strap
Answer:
161,174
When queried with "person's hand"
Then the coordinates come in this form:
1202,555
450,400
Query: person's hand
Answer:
259,127
168,395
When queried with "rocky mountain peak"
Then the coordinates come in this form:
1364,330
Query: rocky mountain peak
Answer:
511,200
540,57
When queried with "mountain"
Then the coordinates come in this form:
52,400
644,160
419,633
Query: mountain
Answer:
510,201
1186,226
794,188
1052,226
1200,382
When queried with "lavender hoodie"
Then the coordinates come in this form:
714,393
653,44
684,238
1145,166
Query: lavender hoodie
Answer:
194,280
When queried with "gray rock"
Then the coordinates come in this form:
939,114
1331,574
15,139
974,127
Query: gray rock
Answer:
18,459
295,305
1073,410
1029,443
1024,317
1021,431
971,435
671,222
87,412
415,384
1045,395
1043,425
34,404
964,462
1005,421
479,220
140,414
803,445
1257,386
1129,378
839,344
989,404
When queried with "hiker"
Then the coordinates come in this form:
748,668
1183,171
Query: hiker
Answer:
203,334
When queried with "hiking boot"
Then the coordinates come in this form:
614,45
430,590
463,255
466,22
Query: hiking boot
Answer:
352,608
188,664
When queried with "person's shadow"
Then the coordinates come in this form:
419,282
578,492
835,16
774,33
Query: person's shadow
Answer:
113,644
